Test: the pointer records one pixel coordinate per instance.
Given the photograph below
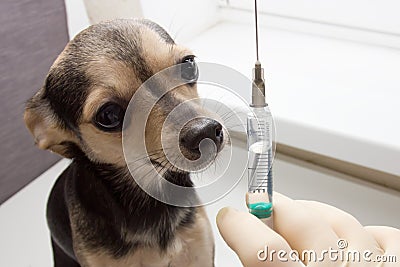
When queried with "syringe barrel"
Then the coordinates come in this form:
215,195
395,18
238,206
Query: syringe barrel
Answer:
259,145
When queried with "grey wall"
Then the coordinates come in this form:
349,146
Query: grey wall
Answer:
32,34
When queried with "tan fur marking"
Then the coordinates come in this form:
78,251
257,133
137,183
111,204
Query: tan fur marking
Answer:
158,54
102,147
95,99
115,75
193,247
46,133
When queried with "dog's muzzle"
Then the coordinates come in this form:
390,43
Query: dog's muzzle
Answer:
197,130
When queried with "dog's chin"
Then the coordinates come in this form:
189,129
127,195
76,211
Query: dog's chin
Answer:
165,166
172,174
191,163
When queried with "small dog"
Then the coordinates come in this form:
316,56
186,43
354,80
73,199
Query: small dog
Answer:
97,216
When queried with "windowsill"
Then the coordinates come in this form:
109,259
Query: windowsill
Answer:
330,97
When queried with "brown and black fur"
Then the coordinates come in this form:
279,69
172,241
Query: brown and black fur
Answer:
96,214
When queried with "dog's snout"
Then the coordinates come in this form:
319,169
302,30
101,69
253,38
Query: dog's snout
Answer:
199,129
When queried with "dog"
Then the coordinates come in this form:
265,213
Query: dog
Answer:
97,215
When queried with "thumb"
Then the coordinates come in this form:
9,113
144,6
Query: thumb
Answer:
247,236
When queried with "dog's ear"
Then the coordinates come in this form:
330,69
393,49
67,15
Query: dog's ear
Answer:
45,128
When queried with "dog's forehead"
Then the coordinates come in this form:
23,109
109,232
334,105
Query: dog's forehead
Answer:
137,56
139,53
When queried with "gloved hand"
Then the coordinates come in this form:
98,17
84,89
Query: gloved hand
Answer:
308,226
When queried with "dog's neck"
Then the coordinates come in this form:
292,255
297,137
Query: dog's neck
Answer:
111,193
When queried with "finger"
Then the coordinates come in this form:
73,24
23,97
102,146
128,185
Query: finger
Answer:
247,235
351,233
302,227
388,239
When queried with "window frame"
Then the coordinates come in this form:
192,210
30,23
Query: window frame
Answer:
359,27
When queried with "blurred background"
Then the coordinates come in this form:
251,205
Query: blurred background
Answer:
333,84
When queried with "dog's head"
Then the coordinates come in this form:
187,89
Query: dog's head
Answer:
81,107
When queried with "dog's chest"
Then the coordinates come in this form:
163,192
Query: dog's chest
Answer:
191,247
179,254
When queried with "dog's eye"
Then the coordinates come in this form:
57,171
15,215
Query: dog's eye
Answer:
189,70
110,117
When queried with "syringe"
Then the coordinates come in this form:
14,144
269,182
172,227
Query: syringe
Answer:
259,144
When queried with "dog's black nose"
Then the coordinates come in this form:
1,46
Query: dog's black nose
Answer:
198,129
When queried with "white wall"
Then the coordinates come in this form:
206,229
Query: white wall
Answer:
183,19
76,16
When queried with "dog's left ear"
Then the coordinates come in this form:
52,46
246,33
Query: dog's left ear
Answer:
43,125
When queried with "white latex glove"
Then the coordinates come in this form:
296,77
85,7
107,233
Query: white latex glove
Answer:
306,225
